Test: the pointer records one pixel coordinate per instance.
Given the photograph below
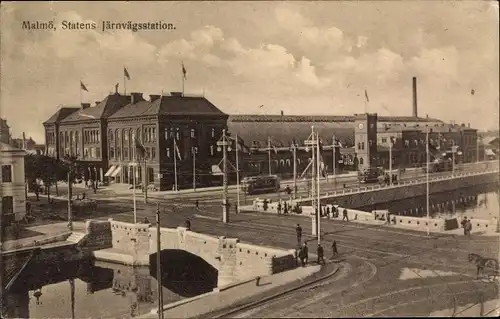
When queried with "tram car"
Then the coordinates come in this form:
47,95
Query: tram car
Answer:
260,184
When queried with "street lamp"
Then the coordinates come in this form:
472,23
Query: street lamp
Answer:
222,142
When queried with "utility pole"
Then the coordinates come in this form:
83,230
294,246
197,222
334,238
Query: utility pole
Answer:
194,167
294,171
158,263
477,148
390,160
134,197
70,194
269,153
237,174
427,178
225,211
311,141
453,158
334,163
318,217
145,178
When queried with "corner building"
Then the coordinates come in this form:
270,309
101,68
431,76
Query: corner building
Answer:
103,138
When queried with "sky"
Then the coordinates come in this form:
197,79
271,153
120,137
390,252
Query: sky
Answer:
295,57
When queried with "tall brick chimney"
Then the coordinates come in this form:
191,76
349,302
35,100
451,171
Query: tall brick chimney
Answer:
415,110
136,97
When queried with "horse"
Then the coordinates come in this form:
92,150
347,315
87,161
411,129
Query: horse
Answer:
483,264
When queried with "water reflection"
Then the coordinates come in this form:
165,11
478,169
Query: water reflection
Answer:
88,289
480,202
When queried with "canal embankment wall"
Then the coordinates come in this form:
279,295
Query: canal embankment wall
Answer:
133,244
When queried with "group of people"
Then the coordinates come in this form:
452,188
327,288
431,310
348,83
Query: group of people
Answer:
387,179
466,225
286,208
334,213
302,252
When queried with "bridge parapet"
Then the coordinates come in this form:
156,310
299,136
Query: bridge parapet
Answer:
232,259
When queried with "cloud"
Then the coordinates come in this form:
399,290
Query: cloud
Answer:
437,63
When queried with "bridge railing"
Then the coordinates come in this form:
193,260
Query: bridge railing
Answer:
406,183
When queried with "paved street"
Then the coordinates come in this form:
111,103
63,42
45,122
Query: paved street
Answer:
384,271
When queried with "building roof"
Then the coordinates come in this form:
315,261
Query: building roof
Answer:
4,147
61,114
321,118
170,105
255,134
103,109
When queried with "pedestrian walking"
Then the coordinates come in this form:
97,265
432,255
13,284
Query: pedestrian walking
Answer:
345,215
328,212
321,255
468,227
298,229
279,208
188,224
197,204
236,208
464,222
335,252
303,255
285,209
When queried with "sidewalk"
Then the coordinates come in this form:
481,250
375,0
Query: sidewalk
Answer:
215,303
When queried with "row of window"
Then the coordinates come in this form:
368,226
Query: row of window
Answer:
91,136
51,138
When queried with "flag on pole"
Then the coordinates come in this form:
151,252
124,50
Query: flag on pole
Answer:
139,148
184,72
240,144
126,74
176,149
366,96
83,87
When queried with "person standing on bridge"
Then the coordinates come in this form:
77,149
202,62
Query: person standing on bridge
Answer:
298,229
304,254
464,222
468,227
345,215
279,208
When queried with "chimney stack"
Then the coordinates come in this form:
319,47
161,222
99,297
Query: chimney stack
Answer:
415,110
136,97
154,97
85,106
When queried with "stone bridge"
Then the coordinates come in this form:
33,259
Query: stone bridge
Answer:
234,261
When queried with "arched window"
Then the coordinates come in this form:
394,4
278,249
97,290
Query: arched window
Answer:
282,162
110,136
288,162
359,145
77,137
360,161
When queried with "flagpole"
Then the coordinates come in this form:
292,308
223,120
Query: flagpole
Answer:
81,99
269,154
124,82
313,185
175,165
135,202
145,178
237,177
390,160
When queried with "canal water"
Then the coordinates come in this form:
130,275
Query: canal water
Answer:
93,289
479,202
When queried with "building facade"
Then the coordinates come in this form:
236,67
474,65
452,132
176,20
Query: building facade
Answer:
103,138
12,186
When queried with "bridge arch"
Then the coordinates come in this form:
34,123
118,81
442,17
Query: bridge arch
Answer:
184,273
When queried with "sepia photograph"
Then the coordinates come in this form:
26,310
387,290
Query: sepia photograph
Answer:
249,159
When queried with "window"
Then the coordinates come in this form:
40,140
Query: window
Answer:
384,140
125,153
110,135
166,134
125,135
98,137
6,173
177,134
92,152
111,152
148,152
359,145
360,161
211,150
86,152
362,145
153,153
118,153
153,134
168,152
193,133
213,132
98,152
8,204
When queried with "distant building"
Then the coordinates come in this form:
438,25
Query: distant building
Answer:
12,186
4,131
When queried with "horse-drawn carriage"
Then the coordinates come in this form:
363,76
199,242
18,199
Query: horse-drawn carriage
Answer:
487,267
